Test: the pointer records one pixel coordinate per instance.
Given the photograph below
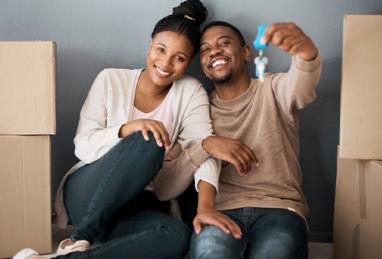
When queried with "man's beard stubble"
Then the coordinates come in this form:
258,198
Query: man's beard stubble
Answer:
222,80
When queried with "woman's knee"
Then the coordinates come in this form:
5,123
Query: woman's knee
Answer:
149,147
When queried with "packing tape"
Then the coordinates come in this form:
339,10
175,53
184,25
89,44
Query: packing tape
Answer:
362,189
356,241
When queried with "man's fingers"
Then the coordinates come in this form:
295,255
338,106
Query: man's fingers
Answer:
290,41
279,36
238,166
246,164
277,32
251,154
247,156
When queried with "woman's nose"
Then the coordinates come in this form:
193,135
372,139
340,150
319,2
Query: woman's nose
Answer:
167,60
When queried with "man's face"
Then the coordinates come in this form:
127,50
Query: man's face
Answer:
222,56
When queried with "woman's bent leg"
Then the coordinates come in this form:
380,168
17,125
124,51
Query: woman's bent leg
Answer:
95,193
146,235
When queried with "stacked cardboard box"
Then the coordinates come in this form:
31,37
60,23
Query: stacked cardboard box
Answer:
27,118
358,214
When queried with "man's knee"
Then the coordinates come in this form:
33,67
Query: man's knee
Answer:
212,242
279,245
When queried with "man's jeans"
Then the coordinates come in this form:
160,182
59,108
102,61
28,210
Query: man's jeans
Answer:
267,233
108,206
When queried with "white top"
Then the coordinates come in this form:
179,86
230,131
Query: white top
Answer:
161,113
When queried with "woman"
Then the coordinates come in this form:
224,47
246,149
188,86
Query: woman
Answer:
128,123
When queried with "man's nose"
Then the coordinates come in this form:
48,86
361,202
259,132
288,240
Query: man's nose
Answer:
215,52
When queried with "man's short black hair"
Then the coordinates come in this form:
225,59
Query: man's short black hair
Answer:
226,24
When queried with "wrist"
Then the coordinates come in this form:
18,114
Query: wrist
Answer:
205,207
205,144
125,130
310,56
120,132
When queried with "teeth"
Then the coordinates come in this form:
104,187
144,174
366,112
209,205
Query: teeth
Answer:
218,62
163,73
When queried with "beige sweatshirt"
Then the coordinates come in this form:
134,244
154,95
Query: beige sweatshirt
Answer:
265,118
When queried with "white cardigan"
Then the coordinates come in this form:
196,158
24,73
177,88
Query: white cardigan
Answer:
109,105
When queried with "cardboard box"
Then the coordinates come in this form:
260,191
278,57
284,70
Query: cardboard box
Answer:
25,205
361,93
358,211
27,88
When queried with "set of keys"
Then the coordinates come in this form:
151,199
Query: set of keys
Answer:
260,61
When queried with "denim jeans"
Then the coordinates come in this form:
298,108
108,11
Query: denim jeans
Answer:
108,206
267,233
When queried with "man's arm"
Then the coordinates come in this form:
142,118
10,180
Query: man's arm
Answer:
208,215
295,89
290,38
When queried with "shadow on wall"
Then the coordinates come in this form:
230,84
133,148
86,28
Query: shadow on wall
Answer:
319,135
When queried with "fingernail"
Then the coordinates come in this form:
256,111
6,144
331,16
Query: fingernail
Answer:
262,41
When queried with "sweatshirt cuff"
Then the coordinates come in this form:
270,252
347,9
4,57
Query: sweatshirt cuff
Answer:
113,134
208,172
307,66
197,154
210,181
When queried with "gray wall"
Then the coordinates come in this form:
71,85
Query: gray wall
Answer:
94,34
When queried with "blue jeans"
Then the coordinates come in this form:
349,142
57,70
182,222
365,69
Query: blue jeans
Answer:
267,233
108,206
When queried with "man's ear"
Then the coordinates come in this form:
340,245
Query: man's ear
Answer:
247,53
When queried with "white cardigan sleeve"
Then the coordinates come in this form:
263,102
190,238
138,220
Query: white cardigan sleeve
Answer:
209,172
191,160
93,138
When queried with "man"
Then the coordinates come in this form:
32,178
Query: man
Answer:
260,210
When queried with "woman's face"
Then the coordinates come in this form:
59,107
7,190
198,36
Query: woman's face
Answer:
169,55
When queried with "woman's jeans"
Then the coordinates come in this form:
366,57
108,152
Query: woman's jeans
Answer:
267,233
108,206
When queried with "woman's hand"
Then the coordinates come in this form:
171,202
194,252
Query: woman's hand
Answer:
232,151
145,125
216,218
290,38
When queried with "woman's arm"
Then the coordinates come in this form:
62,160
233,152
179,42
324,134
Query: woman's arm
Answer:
93,138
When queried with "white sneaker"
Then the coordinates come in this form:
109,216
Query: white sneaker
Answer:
67,246
28,253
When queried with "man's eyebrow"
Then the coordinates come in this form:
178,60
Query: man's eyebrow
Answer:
221,37
225,36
